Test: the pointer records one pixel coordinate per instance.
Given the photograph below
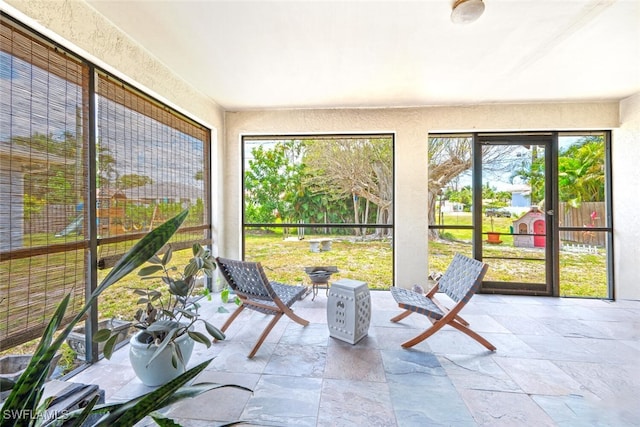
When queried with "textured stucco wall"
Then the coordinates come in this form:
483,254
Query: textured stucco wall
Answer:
626,200
411,127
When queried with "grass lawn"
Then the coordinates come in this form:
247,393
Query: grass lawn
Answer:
284,260
581,274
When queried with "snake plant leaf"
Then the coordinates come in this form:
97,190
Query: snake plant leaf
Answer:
163,421
199,388
22,402
75,418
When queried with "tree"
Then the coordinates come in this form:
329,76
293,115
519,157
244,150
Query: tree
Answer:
356,168
450,157
132,180
271,181
106,168
57,183
581,175
462,196
580,172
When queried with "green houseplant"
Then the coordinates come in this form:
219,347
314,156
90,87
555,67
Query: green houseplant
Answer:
24,405
162,347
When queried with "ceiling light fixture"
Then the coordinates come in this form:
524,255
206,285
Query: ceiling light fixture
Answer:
466,11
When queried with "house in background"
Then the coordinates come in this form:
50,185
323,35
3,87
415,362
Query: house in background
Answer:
164,192
520,196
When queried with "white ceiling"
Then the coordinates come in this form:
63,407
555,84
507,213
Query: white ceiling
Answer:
357,53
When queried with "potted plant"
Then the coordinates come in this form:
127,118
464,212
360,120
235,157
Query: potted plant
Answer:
161,349
493,237
24,405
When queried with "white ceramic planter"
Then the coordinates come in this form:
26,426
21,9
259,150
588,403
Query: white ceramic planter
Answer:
160,370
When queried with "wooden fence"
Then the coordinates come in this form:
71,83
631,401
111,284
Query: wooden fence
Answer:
52,219
588,216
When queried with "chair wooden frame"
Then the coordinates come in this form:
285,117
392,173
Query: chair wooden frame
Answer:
460,282
249,281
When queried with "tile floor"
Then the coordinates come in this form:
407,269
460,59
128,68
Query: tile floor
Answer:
559,362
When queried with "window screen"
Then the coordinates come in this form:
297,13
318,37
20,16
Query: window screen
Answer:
43,111
150,163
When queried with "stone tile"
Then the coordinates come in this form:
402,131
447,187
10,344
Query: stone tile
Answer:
284,401
482,323
607,350
224,404
610,382
355,403
540,377
569,411
233,357
130,390
500,409
413,321
557,348
421,392
298,360
251,329
632,343
570,328
477,372
353,362
202,353
382,300
524,325
548,311
615,312
497,308
382,317
314,334
579,370
316,315
427,400
627,304
616,330
392,337
451,341
409,362
110,377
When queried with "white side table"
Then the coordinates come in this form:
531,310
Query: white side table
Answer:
349,310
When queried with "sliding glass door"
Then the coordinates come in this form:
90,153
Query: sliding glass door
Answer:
536,207
516,223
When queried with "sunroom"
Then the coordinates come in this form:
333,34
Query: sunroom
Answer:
117,115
